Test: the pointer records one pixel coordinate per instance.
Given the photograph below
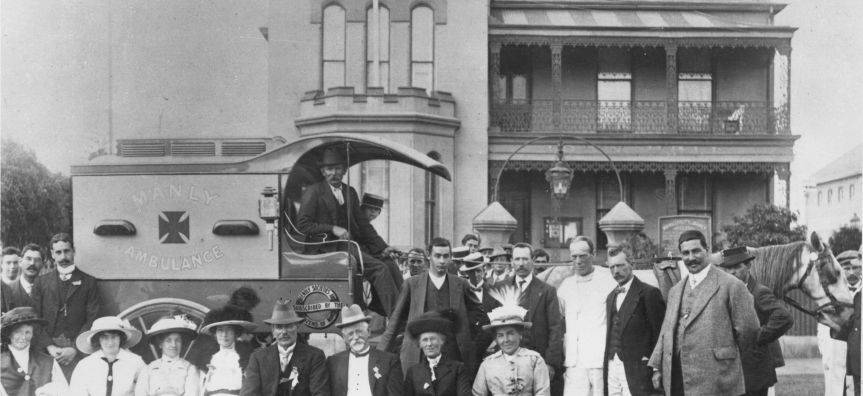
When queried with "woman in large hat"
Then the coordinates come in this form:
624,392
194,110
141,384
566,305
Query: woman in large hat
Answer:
170,374
25,371
512,370
110,369
436,375
227,365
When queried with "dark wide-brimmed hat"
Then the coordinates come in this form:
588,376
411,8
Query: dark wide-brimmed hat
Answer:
84,342
284,313
19,316
444,321
332,156
173,322
499,251
229,315
375,201
471,262
353,314
734,256
484,248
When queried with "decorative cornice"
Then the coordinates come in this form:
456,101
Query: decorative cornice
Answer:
593,41
683,167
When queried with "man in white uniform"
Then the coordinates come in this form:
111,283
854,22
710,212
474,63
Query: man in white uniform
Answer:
833,351
582,303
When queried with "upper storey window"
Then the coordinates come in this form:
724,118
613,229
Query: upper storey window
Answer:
383,49
614,89
334,47
422,48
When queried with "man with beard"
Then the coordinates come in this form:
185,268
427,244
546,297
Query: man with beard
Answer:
435,290
323,216
32,261
709,324
9,265
288,367
361,370
68,299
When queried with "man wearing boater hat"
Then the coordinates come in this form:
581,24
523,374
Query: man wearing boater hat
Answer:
372,206
759,369
362,370
323,216
287,368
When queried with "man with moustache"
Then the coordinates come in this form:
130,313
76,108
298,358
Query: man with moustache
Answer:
833,351
69,300
32,261
635,311
323,215
472,268
287,368
709,324
582,303
435,290
9,265
362,370
500,265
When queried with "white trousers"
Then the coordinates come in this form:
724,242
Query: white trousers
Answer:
833,359
617,385
583,382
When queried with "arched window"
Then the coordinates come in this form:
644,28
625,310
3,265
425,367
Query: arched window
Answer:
383,48
830,196
432,227
334,47
839,194
422,48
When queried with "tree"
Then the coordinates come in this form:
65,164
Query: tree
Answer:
764,225
642,247
35,204
847,238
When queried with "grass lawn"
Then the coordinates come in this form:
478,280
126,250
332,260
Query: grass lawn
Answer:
800,385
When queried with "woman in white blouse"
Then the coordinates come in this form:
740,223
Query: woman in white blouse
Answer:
110,364
225,370
26,371
170,375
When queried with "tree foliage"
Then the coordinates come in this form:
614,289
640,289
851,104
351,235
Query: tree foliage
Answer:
846,238
36,203
764,225
642,247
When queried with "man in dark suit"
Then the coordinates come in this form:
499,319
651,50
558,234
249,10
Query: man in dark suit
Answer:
323,216
709,324
540,300
759,368
287,368
69,300
32,261
362,369
472,268
438,375
434,290
635,311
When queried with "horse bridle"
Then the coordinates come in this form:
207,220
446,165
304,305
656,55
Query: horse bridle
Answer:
823,259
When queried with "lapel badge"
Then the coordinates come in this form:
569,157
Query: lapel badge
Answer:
426,385
76,283
377,372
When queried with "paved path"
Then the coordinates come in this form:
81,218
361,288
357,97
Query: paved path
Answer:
800,366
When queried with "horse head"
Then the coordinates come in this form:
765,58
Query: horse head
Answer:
821,278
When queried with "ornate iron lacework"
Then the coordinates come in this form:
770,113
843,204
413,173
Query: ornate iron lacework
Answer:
584,41
604,166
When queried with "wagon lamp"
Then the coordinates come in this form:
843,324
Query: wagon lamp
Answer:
268,209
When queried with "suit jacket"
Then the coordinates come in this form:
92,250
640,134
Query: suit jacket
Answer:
262,375
483,338
390,382
411,303
318,214
851,335
5,298
451,379
545,336
640,316
759,368
19,297
722,326
81,302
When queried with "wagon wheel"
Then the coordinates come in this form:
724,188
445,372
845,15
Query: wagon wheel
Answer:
143,315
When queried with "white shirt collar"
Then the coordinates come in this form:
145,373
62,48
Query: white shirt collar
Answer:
26,285
288,352
438,282
527,280
66,270
22,357
697,278
857,285
434,362
628,284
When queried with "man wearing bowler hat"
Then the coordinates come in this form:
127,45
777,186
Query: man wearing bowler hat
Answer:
324,216
759,369
286,368
362,370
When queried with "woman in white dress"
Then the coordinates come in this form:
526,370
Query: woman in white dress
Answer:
227,366
110,364
170,374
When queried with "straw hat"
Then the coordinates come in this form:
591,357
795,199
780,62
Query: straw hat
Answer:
284,313
375,201
351,315
19,316
173,323
499,251
444,321
471,262
734,256
108,323
509,313
460,252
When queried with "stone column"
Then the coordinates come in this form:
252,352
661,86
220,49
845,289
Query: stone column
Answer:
782,99
494,224
556,83
495,72
671,88
784,174
670,191
620,223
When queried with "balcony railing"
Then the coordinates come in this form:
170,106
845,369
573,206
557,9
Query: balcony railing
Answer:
636,117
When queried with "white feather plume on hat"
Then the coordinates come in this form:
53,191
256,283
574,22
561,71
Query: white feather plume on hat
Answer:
509,313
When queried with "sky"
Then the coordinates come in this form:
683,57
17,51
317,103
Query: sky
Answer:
54,63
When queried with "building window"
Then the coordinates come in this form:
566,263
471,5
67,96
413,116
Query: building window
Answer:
515,71
695,195
695,89
829,196
432,226
383,48
422,48
851,192
334,47
614,90
839,194
376,180
819,198
608,195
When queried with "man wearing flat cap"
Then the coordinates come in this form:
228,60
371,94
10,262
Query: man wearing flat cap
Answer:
323,216
287,368
437,374
851,267
362,370
759,367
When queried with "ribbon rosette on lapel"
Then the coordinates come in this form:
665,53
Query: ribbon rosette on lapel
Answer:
377,372
426,385
294,378
76,283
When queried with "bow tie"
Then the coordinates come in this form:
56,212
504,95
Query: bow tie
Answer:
359,355
620,290
476,289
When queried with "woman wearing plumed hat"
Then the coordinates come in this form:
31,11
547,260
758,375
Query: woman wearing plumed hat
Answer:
436,375
25,371
227,366
170,374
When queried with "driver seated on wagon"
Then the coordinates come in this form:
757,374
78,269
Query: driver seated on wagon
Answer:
323,216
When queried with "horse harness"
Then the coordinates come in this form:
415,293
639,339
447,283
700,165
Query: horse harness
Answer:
823,259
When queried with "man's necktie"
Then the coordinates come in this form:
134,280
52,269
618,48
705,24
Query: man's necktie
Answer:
284,362
432,365
65,277
521,285
339,197
693,284
475,289
620,290
109,384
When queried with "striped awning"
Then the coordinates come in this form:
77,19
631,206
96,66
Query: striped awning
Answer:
585,18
